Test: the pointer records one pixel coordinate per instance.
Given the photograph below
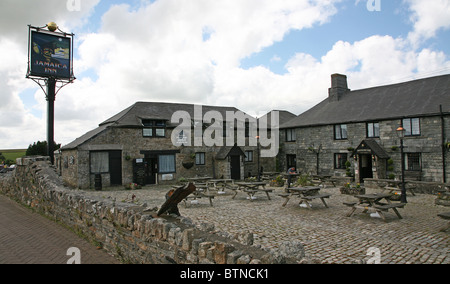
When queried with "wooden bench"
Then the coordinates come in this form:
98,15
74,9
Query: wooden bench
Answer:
312,197
386,207
393,206
391,188
251,192
286,196
199,195
349,204
445,216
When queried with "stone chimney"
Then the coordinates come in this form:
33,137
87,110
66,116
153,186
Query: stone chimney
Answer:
338,87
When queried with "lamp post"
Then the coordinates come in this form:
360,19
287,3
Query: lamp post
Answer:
401,135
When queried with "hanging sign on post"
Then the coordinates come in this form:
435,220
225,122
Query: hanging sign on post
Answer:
50,54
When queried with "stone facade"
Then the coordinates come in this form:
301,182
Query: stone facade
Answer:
354,133
311,141
74,164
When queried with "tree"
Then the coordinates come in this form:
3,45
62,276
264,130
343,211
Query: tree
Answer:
40,149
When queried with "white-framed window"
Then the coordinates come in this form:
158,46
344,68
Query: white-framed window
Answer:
248,156
290,135
411,126
153,128
373,130
200,159
340,132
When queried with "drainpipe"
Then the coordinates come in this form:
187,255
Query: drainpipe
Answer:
443,144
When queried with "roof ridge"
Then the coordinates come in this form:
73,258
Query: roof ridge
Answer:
400,83
118,115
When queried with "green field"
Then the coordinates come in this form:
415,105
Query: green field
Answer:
13,154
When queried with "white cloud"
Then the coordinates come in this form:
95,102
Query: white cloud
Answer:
428,18
159,52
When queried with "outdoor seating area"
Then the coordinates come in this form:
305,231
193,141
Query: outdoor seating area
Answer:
375,204
306,194
320,217
371,203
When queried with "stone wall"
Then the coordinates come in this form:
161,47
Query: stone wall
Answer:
130,232
417,186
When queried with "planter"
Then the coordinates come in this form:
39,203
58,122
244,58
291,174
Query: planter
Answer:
353,190
275,183
443,198
132,186
395,196
188,165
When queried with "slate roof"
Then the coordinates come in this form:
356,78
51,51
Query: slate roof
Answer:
284,116
86,137
410,99
226,151
374,147
133,115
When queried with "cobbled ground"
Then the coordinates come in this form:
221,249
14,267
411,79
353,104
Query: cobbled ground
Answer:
327,234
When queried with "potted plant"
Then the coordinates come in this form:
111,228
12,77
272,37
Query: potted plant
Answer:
352,189
348,168
277,182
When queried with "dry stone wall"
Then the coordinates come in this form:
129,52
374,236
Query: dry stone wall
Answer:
129,232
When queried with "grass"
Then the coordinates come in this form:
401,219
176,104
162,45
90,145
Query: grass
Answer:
13,154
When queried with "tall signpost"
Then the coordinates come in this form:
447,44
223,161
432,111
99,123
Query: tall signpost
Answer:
50,58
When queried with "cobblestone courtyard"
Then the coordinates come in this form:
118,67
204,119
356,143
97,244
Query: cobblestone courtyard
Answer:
327,234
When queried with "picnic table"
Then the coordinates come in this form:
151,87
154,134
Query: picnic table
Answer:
320,180
371,203
199,179
251,188
306,194
269,175
395,185
220,184
198,193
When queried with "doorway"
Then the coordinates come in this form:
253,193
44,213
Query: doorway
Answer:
151,170
365,167
115,167
235,167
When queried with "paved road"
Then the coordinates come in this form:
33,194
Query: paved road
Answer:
29,238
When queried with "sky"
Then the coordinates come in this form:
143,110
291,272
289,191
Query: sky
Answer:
255,55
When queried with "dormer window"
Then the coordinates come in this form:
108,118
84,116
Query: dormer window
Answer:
153,128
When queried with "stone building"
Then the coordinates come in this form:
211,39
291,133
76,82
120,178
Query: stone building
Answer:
356,132
154,143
